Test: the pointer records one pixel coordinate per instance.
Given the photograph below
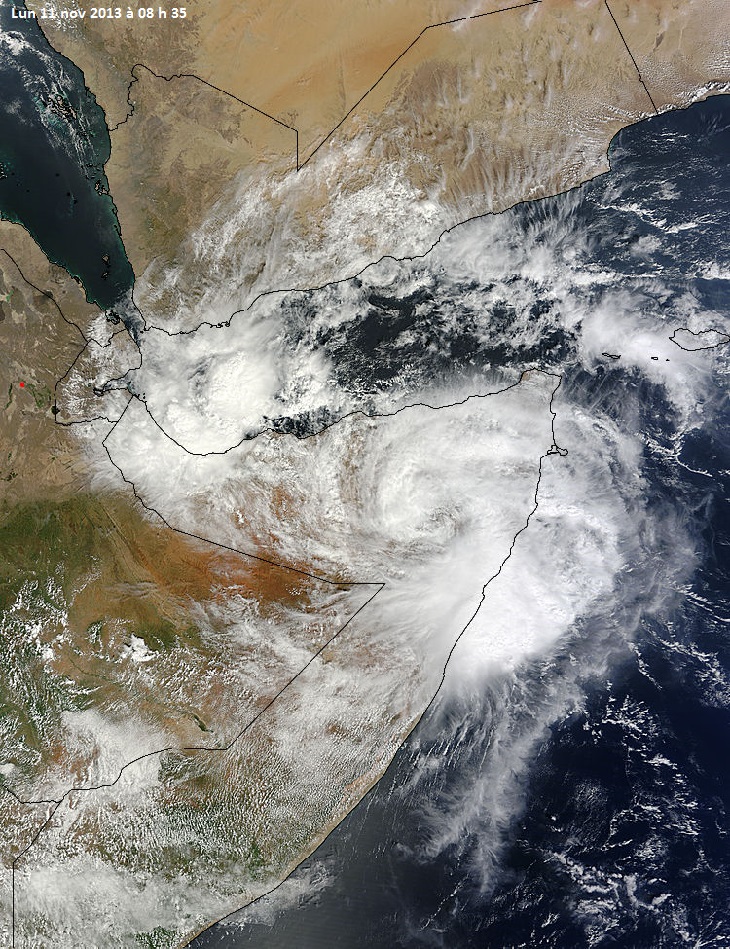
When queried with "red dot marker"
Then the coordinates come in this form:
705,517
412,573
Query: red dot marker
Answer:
22,385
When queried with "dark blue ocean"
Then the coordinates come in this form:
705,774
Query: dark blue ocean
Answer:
514,817
615,831
54,144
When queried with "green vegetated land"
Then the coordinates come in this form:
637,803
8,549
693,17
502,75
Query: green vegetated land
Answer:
69,607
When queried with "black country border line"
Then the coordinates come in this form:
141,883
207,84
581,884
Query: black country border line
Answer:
268,430
204,82
380,585
285,291
628,50
108,387
207,540
300,165
174,749
44,293
87,342
433,26
282,566
56,802
698,335
553,450
384,257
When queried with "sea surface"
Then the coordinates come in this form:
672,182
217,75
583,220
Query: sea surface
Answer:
54,144
581,798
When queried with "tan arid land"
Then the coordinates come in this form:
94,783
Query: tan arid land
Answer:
471,116
116,570
37,346
155,640
115,590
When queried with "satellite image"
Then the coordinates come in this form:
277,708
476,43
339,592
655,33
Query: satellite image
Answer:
365,474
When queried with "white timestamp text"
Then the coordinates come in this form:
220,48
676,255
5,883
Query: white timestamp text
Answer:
100,13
